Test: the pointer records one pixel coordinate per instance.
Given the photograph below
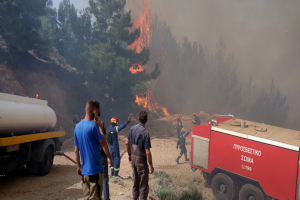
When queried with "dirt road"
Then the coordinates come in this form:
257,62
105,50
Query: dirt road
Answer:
62,181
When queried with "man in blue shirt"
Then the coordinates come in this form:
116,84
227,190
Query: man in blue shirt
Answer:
87,138
113,142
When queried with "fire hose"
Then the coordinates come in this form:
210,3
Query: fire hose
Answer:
63,154
73,161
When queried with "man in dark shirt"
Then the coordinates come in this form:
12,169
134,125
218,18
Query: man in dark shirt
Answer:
196,120
75,120
181,144
103,157
179,126
138,147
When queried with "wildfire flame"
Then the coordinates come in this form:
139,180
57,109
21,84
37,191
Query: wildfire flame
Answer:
151,104
144,23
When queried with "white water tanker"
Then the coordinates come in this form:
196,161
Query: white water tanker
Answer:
24,115
26,135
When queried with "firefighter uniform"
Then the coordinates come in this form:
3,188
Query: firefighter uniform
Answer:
196,120
114,148
181,144
179,126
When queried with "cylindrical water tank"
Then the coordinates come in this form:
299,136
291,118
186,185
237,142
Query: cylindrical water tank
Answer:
24,115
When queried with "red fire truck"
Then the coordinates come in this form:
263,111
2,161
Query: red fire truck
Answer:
246,160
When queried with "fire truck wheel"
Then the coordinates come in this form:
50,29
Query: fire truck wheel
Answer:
251,192
47,162
205,175
223,187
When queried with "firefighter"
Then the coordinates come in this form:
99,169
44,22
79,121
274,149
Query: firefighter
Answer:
113,142
181,144
196,120
179,126
75,120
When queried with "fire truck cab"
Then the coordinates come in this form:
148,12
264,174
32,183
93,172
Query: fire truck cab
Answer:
247,160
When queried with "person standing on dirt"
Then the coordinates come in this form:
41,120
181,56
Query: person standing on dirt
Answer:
113,142
181,144
87,138
196,120
75,120
103,157
138,146
105,167
179,126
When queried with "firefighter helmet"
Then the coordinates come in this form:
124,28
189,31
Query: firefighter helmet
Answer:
182,130
114,121
178,116
194,114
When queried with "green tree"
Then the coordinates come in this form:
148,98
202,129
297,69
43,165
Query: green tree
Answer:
110,80
108,60
74,31
67,18
20,22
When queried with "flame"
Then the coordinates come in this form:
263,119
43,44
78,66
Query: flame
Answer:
144,23
151,104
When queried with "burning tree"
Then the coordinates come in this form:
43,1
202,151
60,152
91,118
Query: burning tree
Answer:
109,60
145,99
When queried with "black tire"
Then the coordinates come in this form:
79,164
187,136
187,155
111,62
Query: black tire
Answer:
251,192
205,175
223,187
47,162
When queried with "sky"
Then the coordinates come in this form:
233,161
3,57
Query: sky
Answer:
77,3
263,35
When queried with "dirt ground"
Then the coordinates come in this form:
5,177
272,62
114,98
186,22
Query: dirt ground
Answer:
62,181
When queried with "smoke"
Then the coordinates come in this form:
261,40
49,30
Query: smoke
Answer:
262,35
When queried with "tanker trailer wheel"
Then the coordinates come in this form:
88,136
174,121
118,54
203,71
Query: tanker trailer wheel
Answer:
47,162
223,187
251,192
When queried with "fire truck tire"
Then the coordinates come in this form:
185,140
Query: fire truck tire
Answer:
223,187
47,162
249,192
205,175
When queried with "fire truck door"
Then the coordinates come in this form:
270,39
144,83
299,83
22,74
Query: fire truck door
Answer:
200,146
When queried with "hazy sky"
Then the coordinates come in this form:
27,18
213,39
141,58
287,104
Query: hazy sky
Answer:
264,35
79,4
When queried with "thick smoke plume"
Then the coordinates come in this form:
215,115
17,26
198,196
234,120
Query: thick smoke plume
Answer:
262,35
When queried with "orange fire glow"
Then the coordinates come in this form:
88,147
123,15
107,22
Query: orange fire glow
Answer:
144,23
151,104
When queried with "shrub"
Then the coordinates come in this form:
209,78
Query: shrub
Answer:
184,183
192,193
163,175
165,193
